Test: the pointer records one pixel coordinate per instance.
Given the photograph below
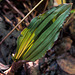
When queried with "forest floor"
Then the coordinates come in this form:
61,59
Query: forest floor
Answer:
11,12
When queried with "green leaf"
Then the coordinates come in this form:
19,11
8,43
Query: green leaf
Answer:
41,34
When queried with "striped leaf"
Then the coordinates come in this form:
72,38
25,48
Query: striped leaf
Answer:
41,34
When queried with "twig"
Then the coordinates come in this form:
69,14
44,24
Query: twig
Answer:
45,5
19,12
26,6
35,13
15,8
7,20
22,21
68,20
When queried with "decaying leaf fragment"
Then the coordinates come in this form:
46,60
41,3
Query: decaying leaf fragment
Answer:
67,64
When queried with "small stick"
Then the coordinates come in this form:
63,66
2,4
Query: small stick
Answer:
68,20
25,5
15,8
35,13
22,21
19,12
45,5
7,20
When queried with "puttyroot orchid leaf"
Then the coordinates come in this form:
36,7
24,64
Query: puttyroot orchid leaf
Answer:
41,34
